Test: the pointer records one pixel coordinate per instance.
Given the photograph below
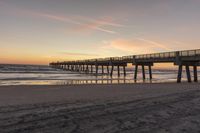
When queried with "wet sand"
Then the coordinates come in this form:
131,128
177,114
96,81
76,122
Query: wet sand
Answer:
127,108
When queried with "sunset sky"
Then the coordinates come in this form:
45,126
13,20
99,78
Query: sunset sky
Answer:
41,31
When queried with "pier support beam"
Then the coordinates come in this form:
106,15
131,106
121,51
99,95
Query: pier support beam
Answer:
91,69
102,67
71,67
111,72
136,71
195,74
118,71
97,67
108,70
124,68
68,67
188,73
143,72
79,68
87,69
83,68
180,68
150,72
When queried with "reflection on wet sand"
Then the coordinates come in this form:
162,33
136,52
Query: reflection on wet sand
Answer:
105,81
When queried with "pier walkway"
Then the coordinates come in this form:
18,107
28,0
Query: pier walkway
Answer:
187,59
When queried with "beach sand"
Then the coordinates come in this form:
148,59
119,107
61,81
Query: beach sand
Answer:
122,108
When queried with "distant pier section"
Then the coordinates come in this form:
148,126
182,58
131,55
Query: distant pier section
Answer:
186,59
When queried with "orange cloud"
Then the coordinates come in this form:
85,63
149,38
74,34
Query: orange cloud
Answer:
135,46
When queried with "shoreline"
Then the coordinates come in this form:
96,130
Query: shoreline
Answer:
19,94
64,82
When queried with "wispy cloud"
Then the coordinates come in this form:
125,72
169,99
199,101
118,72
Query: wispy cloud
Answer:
96,25
104,21
82,23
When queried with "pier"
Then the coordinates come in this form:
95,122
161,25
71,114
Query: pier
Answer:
183,59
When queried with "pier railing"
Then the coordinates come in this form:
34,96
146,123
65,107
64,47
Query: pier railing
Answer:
190,53
156,55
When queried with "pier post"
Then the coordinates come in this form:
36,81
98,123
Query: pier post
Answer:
91,69
71,67
87,69
74,68
188,73
108,69
118,71
83,68
124,68
111,73
65,67
180,68
195,74
68,67
150,72
143,72
79,68
97,67
136,71
102,69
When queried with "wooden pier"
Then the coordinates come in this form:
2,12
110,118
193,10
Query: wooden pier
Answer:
187,59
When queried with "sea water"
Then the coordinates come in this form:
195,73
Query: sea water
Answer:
45,75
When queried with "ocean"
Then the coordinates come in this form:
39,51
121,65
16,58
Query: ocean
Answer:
44,75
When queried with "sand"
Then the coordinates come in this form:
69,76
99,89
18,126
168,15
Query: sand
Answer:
125,108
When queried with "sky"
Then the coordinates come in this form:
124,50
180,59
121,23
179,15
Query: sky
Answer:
42,31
